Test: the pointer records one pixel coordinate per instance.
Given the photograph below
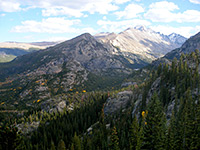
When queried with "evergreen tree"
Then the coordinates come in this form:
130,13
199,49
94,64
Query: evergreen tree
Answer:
171,136
134,133
114,145
154,129
61,145
76,142
52,146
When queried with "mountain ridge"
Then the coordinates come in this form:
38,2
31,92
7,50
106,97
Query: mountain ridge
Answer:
140,43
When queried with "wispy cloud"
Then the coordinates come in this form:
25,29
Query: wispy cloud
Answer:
2,15
118,26
195,1
56,11
74,8
51,25
121,1
186,31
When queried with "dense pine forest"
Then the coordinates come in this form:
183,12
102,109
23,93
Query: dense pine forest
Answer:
167,118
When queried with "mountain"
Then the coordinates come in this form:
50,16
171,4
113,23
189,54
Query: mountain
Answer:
84,49
83,63
10,50
163,112
177,38
8,54
27,46
140,45
189,46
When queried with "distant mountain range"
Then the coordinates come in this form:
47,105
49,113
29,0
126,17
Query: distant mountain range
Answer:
10,50
189,46
141,45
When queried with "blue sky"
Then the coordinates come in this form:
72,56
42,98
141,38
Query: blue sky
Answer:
52,20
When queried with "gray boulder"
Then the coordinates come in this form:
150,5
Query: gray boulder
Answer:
117,103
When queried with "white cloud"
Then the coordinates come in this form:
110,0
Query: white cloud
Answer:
100,6
9,6
74,8
58,38
121,1
56,11
118,26
195,1
189,16
163,12
49,25
131,11
185,31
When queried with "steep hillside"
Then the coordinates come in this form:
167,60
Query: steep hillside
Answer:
165,111
80,64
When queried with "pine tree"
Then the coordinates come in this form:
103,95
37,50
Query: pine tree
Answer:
114,145
61,145
76,142
154,129
52,146
171,136
134,133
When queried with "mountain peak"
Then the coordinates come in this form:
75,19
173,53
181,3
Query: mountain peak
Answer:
189,46
84,36
177,38
141,28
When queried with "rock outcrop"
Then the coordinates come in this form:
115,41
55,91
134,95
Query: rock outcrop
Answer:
117,103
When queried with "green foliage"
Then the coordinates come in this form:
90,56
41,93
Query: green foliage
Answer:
52,146
134,134
154,129
76,142
86,127
61,145
114,143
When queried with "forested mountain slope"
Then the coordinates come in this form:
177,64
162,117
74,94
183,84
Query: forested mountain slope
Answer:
162,113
